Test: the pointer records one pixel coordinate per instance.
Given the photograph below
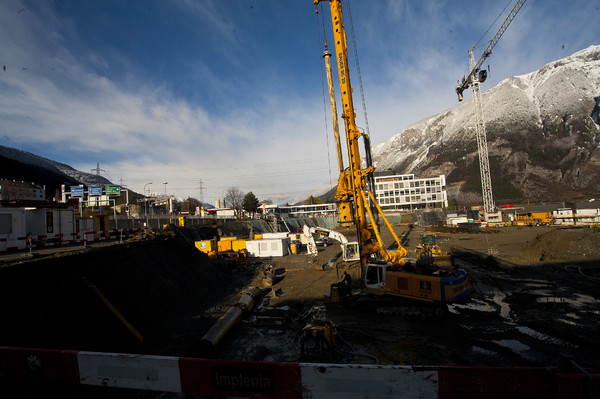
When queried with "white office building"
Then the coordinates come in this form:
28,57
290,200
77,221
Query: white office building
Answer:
405,192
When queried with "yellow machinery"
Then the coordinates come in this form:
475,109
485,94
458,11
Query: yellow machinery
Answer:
533,218
319,336
209,247
383,271
228,248
428,244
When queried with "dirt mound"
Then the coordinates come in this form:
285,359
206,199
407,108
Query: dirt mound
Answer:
159,286
564,244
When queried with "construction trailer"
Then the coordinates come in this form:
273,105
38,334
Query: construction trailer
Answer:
51,221
267,248
13,229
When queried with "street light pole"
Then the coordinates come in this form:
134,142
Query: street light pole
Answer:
146,204
165,183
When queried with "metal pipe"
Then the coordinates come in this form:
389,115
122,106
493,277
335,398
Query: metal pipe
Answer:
207,346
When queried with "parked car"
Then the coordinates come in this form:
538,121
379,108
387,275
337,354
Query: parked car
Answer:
323,241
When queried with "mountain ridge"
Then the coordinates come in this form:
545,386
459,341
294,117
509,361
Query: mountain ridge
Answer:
542,142
24,166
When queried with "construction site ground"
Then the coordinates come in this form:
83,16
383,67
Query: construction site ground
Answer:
534,296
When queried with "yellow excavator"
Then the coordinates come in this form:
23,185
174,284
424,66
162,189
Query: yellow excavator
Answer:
384,271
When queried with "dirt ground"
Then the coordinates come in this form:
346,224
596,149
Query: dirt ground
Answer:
534,294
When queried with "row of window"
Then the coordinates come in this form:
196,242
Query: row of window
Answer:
410,199
411,184
309,208
415,191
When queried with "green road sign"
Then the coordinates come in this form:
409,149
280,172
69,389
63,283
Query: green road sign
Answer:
113,190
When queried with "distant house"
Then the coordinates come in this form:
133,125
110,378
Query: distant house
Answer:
11,190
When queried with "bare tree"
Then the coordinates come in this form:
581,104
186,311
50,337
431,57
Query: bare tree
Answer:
234,198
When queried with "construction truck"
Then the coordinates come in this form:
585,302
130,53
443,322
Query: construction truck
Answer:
384,271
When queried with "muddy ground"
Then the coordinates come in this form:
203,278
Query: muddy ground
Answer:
534,294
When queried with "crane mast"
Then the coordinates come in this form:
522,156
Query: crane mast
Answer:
484,161
475,77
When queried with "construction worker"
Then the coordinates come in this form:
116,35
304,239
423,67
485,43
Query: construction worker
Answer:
348,281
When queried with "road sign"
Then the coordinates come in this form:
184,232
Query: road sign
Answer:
95,190
113,189
76,191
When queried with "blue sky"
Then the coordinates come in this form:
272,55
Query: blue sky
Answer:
206,95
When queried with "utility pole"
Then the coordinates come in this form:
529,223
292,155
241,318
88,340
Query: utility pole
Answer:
98,170
127,196
201,192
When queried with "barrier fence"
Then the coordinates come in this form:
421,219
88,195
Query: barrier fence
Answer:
52,240
222,378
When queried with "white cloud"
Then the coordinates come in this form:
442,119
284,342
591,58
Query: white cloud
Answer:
259,122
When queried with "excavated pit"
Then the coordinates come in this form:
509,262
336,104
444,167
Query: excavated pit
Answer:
534,295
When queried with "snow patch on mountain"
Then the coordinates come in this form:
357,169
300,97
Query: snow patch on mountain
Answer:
547,110
57,167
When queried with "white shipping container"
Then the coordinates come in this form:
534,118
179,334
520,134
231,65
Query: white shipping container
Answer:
456,220
51,221
268,248
270,236
13,228
586,212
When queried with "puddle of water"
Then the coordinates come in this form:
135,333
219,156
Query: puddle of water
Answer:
474,304
578,302
519,348
513,345
483,306
552,299
482,351
533,283
570,322
541,336
504,307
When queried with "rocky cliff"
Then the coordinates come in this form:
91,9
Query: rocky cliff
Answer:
542,140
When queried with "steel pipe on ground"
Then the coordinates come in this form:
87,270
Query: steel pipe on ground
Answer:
207,346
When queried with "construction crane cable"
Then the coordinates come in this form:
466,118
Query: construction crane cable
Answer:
488,50
487,31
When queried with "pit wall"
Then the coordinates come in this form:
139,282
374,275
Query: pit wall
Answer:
31,368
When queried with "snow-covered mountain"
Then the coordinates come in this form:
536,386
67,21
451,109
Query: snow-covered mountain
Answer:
50,166
542,142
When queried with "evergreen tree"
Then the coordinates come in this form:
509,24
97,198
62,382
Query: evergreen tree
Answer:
250,203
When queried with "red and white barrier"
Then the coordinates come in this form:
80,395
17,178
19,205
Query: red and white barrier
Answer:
288,380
